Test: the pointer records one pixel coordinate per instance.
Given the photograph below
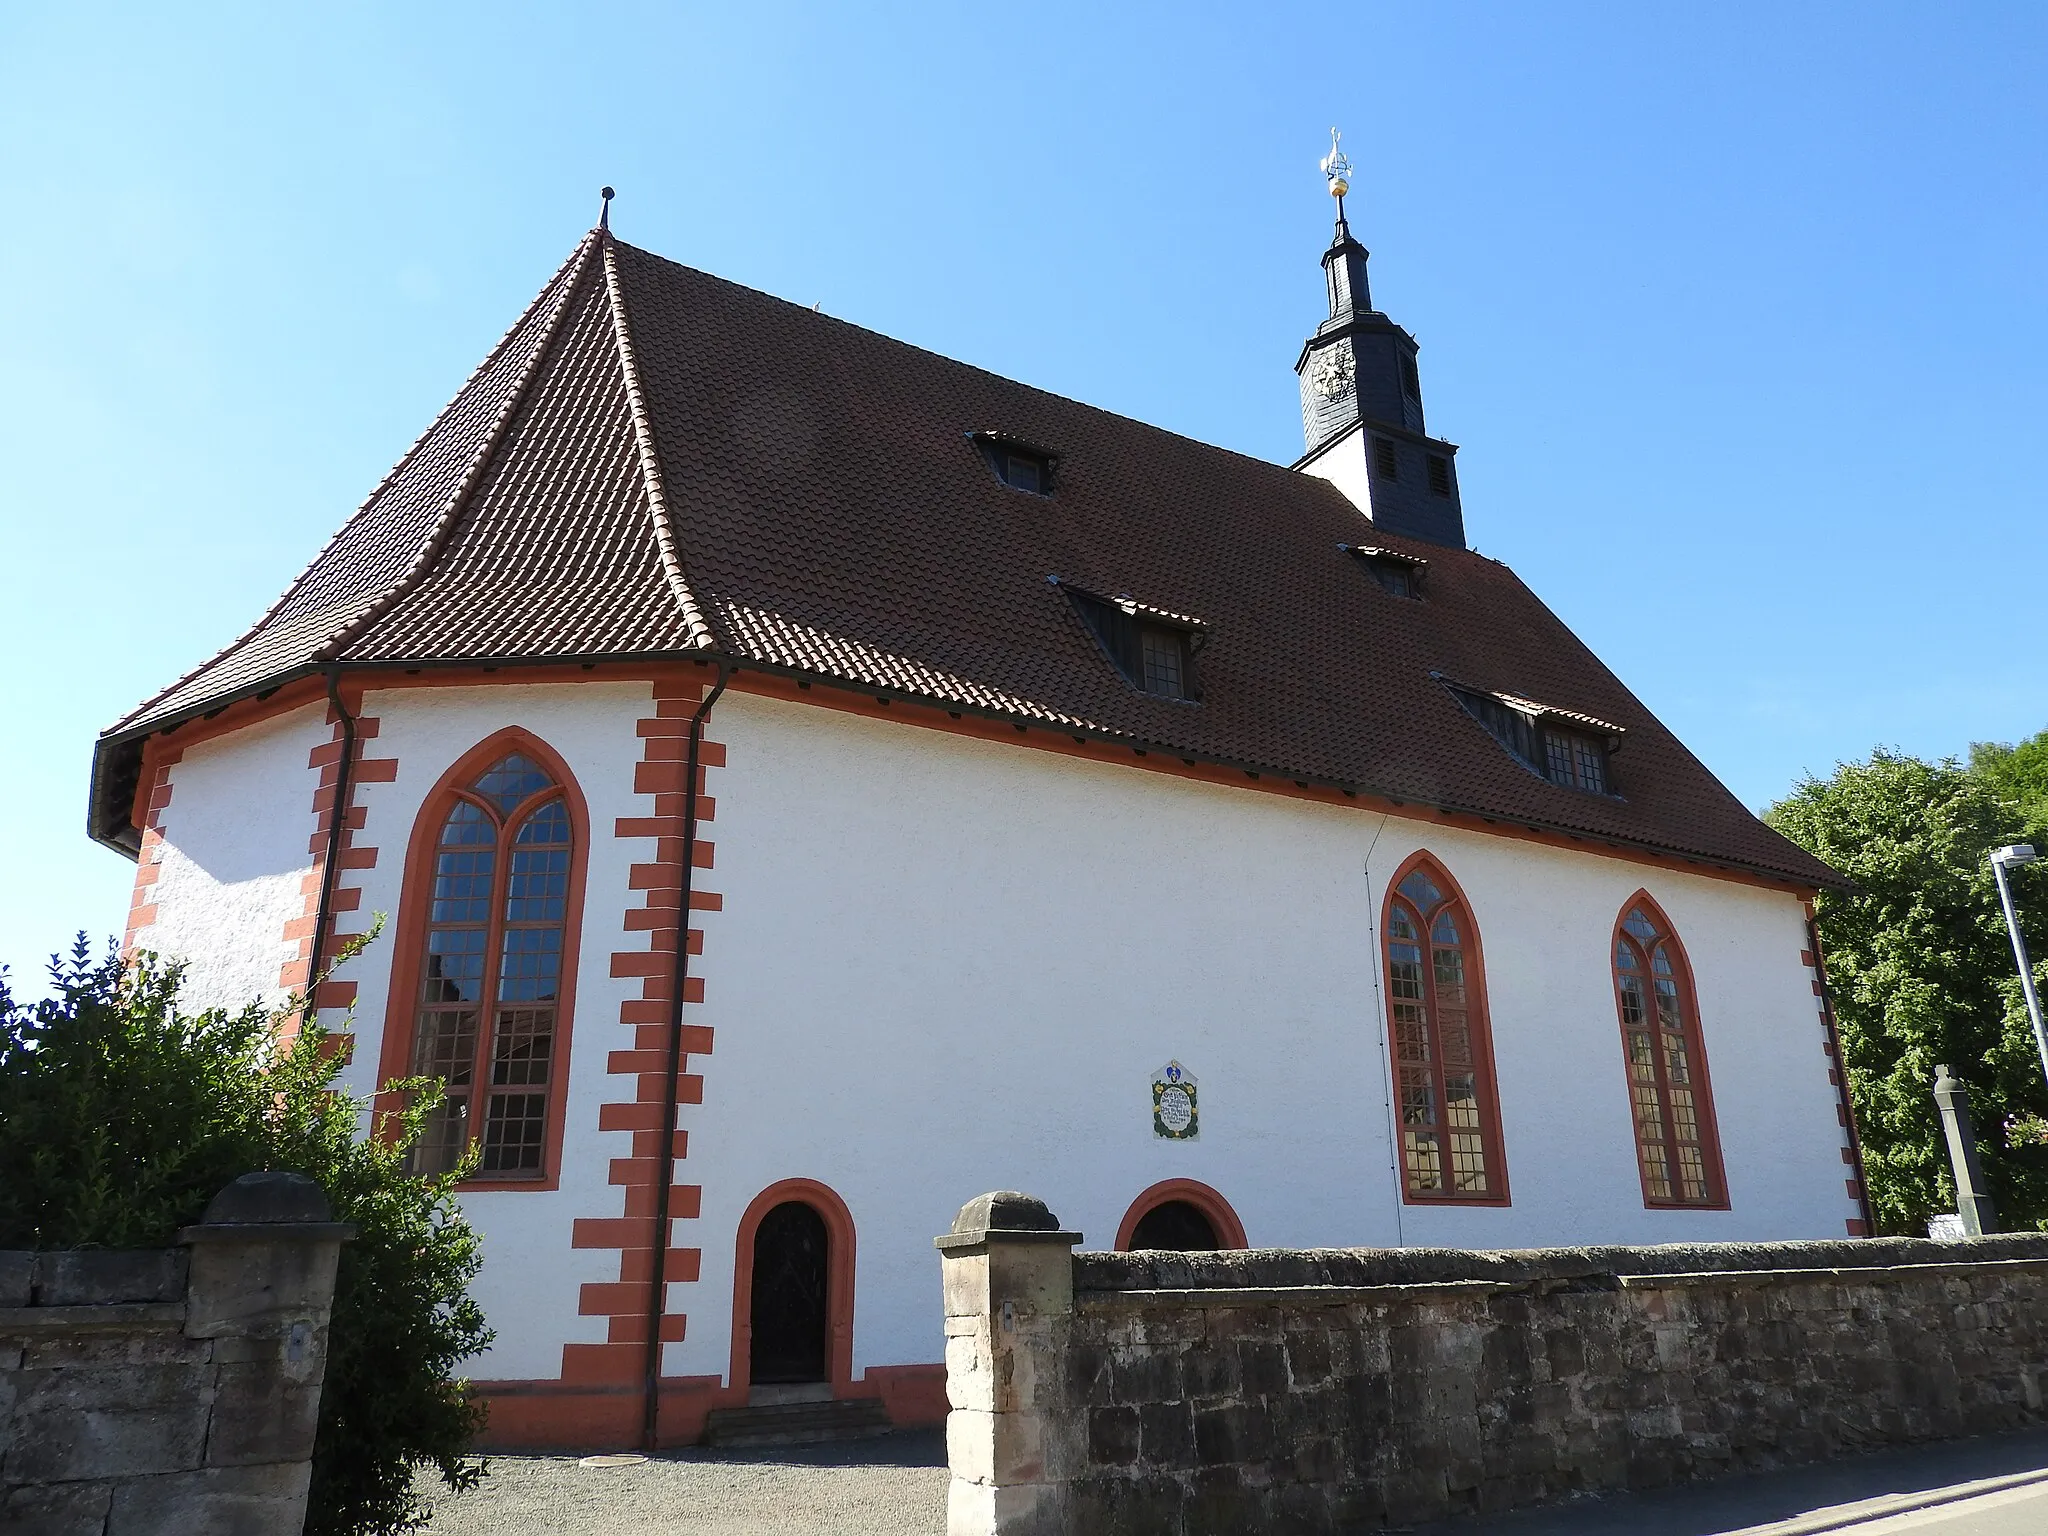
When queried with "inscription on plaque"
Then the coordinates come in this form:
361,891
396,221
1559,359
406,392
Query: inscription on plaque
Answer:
1176,1109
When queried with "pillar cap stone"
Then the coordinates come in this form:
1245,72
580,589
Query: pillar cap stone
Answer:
1004,1216
273,1206
272,1196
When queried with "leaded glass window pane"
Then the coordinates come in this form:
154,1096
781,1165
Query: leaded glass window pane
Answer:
1557,749
1661,1050
1591,763
1162,659
1421,890
515,1133
510,782
491,969
1446,1126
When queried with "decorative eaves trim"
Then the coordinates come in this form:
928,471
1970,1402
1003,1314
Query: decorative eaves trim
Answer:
1537,711
1137,610
701,634
996,439
1568,716
1376,552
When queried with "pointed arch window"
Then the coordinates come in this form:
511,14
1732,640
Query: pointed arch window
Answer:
491,960
1443,1052
1678,1150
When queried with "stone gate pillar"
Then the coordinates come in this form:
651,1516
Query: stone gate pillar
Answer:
1008,1274
166,1392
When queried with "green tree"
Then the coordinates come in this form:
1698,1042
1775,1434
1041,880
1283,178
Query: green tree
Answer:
2020,774
1922,973
121,1115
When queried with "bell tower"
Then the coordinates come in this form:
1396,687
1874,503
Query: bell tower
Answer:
1361,398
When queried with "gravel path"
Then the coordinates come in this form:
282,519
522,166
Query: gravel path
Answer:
891,1486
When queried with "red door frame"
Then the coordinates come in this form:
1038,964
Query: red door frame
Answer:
839,1269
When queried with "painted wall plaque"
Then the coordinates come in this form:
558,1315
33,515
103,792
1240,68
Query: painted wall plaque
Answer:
1176,1111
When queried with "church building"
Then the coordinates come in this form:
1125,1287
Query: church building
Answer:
808,782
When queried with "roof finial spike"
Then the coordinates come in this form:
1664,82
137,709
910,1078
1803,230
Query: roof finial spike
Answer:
1336,166
604,213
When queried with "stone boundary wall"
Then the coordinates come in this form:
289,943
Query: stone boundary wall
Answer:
170,1390
1325,1391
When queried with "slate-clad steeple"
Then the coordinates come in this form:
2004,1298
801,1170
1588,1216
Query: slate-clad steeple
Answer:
1361,398
1359,364
1344,267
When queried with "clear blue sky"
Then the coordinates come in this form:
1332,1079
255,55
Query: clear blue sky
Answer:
1739,312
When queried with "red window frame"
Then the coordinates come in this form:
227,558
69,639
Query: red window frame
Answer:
1425,1068
416,910
1657,1140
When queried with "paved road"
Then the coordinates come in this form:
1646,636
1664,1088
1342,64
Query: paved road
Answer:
1874,1495
2019,1512
896,1486
891,1486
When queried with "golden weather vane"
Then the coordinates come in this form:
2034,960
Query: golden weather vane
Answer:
1336,166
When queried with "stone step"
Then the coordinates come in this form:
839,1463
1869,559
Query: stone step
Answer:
850,1418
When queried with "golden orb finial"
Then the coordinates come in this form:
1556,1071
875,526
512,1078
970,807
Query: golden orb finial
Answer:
1336,166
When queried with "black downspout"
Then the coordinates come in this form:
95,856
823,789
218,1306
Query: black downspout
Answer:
664,1184
338,814
1827,1012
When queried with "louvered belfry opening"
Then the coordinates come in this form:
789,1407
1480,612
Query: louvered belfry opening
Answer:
491,970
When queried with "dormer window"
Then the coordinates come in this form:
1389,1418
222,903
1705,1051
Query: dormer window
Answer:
1574,760
1164,654
1153,648
1563,746
1026,473
1020,465
1398,574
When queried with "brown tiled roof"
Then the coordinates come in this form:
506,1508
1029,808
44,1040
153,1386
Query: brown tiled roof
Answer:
658,462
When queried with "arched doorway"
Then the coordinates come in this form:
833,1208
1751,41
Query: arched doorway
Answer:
789,1313
1180,1215
1177,1225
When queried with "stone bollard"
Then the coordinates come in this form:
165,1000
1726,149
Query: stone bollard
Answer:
1008,1273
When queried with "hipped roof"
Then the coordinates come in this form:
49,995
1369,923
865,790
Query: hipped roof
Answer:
658,463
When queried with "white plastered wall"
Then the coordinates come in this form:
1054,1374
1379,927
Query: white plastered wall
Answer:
236,848
1343,465
945,966
531,1277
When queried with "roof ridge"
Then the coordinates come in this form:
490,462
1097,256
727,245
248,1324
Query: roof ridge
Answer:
956,362
436,541
554,285
701,633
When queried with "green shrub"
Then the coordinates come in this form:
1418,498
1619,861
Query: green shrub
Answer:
120,1118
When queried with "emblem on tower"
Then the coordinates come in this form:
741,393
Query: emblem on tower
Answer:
1333,374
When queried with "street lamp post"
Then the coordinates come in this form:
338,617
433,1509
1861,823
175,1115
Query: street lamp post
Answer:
2002,861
